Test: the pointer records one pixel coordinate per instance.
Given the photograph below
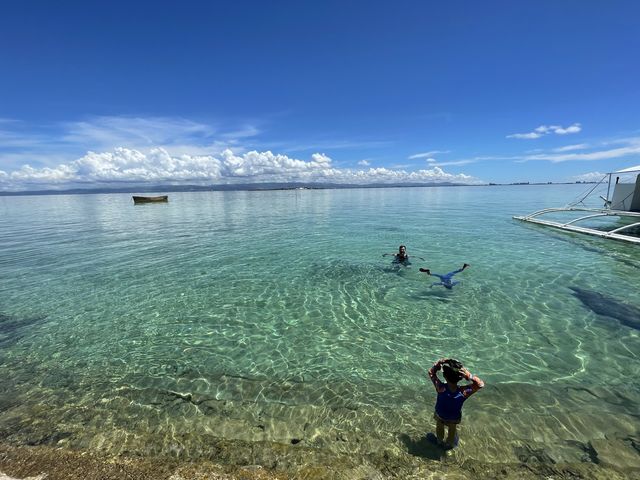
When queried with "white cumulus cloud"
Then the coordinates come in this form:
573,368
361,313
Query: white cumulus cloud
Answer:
547,130
126,166
529,135
44,145
575,128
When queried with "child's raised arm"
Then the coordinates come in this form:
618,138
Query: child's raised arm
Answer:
476,383
433,374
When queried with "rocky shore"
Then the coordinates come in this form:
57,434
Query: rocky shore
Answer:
269,461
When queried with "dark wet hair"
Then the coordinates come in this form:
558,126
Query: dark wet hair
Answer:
451,371
401,246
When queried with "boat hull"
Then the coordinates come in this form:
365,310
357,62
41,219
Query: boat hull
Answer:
158,199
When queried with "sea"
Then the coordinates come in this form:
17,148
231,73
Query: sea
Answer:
245,327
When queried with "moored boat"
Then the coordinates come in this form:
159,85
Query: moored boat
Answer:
157,199
622,202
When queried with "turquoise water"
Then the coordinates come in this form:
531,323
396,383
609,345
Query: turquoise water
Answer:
273,317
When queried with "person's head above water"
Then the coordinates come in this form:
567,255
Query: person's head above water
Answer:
400,256
451,370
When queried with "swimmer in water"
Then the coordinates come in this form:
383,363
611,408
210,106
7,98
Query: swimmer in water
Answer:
445,280
401,256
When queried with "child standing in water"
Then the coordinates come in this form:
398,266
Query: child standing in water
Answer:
448,410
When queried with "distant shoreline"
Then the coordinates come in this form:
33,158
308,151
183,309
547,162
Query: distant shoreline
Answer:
256,187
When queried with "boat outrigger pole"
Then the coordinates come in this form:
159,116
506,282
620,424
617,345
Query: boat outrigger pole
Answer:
623,202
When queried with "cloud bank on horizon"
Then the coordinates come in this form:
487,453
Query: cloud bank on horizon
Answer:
136,151
132,151
124,166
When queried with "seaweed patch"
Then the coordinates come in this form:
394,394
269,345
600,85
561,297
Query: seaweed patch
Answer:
12,329
606,306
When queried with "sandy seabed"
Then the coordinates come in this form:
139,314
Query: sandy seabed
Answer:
276,461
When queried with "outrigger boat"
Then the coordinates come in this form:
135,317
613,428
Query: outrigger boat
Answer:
622,203
158,199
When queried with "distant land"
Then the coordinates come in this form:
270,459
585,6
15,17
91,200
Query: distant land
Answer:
255,187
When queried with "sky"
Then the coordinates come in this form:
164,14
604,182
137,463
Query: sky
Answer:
111,94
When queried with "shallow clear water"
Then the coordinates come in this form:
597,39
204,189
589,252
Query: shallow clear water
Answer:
273,316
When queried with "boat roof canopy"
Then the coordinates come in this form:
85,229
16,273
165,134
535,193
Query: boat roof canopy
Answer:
628,170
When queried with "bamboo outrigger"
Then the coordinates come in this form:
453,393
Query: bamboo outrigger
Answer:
622,201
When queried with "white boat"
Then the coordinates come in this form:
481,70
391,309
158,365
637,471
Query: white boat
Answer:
621,209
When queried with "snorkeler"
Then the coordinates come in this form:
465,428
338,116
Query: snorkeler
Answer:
445,280
448,410
401,256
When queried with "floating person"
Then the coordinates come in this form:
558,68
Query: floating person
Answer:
445,280
401,257
448,410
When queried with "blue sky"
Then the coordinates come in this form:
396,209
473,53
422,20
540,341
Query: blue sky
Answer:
113,93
